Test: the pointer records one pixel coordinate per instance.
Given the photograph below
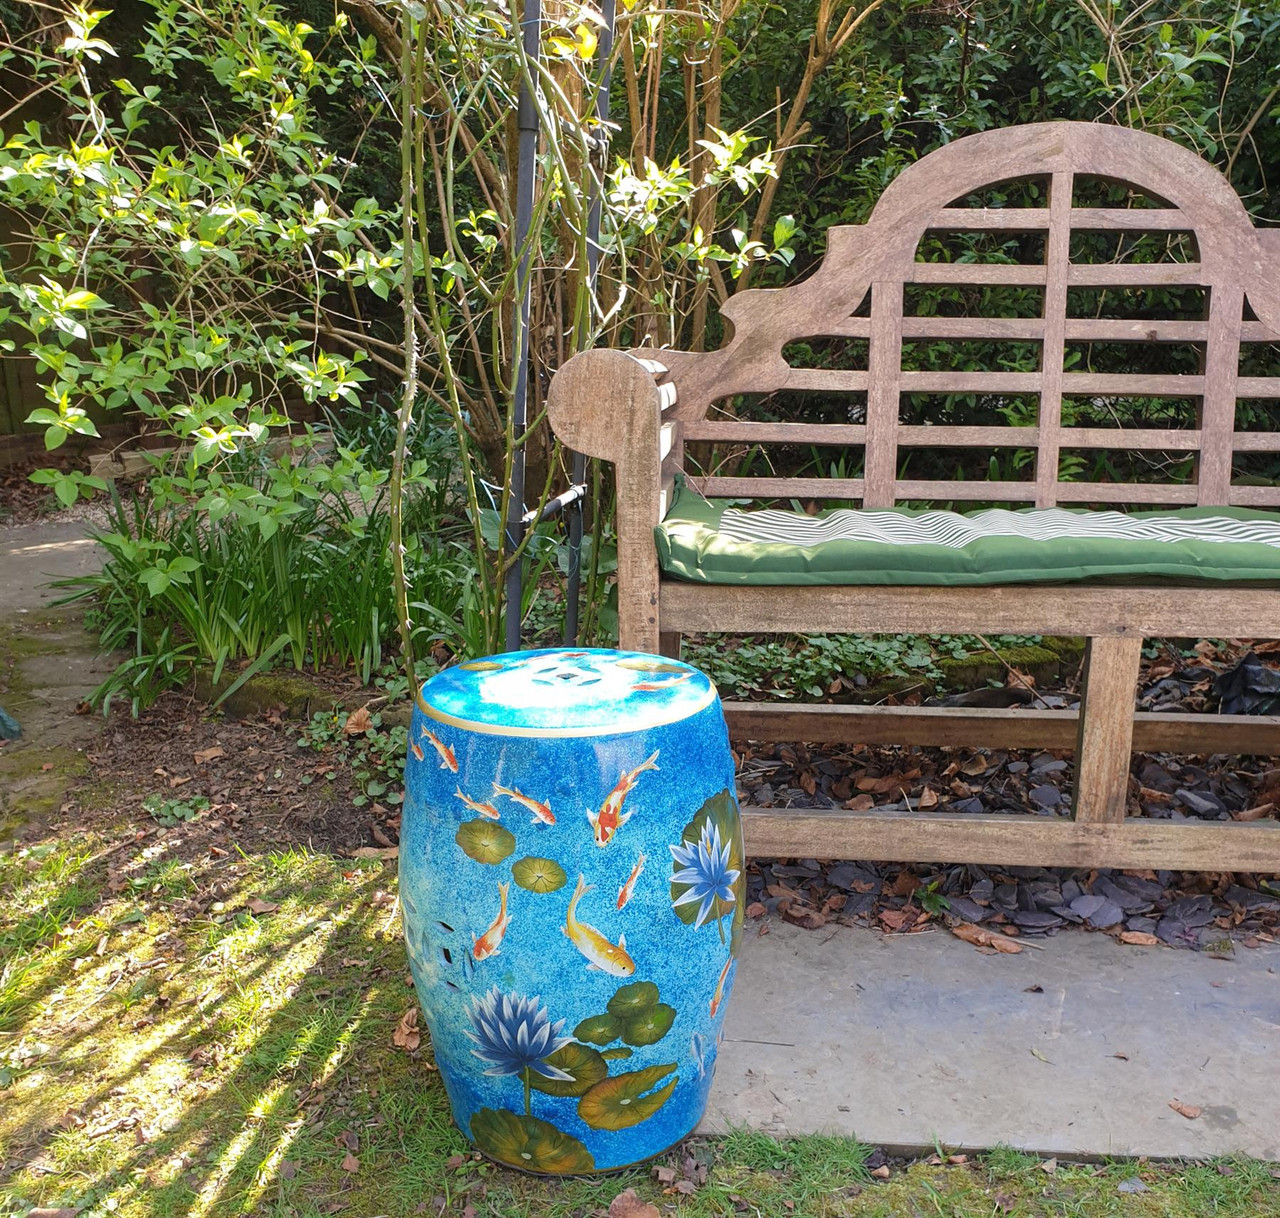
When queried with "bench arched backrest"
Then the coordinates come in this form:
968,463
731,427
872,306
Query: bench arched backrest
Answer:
1236,265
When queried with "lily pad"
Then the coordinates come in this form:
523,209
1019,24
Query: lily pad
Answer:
620,1102
484,841
615,1055
649,1026
584,1063
632,999
528,1143
598,1029
538,875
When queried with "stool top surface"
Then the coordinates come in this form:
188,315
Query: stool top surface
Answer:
562,692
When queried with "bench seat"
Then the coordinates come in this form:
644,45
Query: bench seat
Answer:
722,541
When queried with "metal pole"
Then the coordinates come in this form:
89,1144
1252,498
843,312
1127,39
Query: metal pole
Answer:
578,474
526,169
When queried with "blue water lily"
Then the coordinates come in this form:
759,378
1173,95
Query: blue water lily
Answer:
516,1034
704,866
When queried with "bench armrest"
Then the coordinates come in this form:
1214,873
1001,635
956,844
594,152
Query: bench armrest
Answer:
606,404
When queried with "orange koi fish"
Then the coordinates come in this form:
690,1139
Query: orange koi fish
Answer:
611,818
624,893
417,750
484,809
652,686
718,997
603,956
542,814
447,760
487,944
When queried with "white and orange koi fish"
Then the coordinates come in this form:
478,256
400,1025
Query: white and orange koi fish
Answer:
417,750
718,997
625,892
601,955
487,944
611,818
484,809
542,814
447,759
655,686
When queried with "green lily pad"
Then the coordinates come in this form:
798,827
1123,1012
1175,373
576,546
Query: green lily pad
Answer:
598,1029
584,1063
538,875
620,1102
632,999
484,841
649,1026
722,811
618,1054
528,1143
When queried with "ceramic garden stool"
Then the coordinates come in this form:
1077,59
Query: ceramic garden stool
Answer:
571,884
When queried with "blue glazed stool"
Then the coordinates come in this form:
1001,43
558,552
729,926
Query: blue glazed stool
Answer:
571,885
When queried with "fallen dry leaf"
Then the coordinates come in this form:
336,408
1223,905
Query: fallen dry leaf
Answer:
628,1205
210,754
928,799
407,1036
375,852
1139,938
881,1172
257,905
860,803
350,1162
1256,813
358,721
980,937
1190,1111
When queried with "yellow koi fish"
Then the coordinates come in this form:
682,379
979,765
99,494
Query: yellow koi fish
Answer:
541,812
487,944
624,893
484,809
602,955
447,760
654,686
718,997
611,818
645,664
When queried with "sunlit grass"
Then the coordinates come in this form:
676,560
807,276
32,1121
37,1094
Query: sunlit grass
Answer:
170,1053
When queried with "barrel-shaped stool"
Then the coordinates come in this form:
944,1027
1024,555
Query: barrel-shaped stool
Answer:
571,886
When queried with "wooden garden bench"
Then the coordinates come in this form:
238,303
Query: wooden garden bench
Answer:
688,564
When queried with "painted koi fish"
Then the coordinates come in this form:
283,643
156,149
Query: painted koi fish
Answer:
484,809
601,955
625,892
698,1047
654,686
447,759
718,997
644,664
417,750
542,814
487,944
611,818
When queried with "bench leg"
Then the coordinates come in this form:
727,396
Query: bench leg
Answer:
669,644
1105,736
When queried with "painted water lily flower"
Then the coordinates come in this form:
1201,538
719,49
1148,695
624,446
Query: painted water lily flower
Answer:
704,866
516,1034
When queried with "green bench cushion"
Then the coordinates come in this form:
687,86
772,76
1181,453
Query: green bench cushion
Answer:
718,541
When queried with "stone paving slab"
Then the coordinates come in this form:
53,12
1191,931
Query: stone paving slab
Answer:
904,1040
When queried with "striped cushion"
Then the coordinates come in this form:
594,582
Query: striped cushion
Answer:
718,542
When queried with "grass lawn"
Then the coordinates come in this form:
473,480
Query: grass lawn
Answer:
189,1029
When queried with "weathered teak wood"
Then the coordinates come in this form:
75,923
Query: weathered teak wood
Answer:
608,405
1105,738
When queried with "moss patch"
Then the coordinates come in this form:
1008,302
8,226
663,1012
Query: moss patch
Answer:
294,696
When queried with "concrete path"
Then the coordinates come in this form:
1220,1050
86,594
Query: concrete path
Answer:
48,665
1074,1050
